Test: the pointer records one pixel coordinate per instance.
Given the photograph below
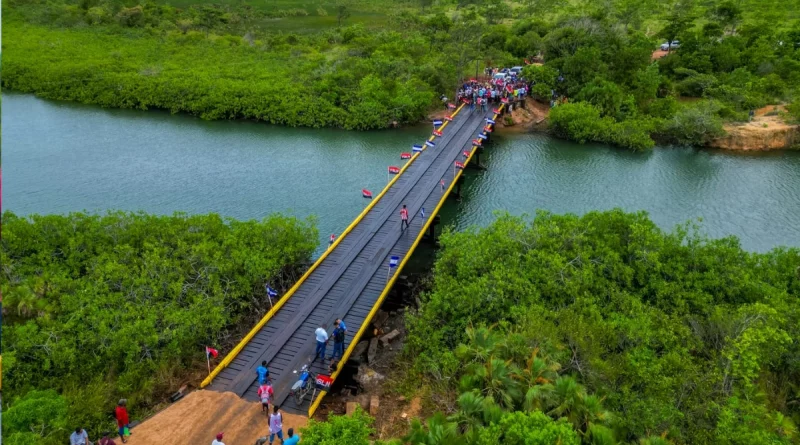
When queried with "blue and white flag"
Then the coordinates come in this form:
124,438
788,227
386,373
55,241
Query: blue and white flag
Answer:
394,261
489,121
437,122
417,148
422,212
483,136
430,144
272,293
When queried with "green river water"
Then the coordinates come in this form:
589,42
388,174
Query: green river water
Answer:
64,157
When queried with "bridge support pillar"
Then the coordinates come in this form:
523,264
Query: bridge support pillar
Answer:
432,230
459,183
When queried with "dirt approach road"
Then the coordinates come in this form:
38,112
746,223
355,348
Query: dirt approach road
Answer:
198,417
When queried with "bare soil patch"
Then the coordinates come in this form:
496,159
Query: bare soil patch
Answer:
767,131
198,417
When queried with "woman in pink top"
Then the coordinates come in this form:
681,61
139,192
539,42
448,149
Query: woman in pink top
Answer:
403,218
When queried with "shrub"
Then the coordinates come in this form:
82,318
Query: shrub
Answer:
694,125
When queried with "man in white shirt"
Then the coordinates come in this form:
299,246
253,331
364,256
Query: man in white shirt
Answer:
79,437
218,440
322,341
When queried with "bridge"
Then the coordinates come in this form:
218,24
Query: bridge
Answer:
352,278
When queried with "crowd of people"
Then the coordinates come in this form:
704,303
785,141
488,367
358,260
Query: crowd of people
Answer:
479,94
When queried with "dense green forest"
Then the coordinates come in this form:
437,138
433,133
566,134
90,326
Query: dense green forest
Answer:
604,329
96,308
363,65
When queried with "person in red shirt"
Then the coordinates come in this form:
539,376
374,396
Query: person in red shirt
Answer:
403,218
122,419
106,440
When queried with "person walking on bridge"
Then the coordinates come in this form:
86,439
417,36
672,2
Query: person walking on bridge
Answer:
322,341
403,219
263,373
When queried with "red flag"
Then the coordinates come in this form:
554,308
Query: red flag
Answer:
405,155
212,352
467,153
448,118
473,80
476,142
496,111
465,100
333,237
394,170
509,88
442,182
437,133
459,165
487,128
504,100
451,106
366,193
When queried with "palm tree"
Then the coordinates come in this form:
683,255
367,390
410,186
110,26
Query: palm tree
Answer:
497,379
601,435
480,345
438,431
475,410
569,395
539,397
540,370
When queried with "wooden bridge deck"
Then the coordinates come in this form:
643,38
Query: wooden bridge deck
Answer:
351,280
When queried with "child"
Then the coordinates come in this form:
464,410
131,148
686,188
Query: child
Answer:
265,394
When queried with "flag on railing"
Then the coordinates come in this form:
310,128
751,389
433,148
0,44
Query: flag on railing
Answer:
448,118
466,153
430,144
451,106
490,121
442,182
477,142
394,260
459,165
405,155
483,136
416,148
465,100
509,88
211,352
504,100
272,293
437,133
366,193
422,213
496,111
487,128
437,122
394,170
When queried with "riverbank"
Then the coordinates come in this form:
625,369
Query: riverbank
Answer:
767,131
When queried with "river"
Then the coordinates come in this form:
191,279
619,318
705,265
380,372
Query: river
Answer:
65,157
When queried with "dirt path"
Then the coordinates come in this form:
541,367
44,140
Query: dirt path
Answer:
199,416
764,132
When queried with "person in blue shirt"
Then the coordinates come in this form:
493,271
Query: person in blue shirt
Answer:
293,438
340,323
263,373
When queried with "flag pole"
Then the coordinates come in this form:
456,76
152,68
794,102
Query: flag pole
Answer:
208,361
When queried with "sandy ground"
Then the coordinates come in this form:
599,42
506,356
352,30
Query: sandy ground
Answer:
658,54
762,133
198,417
531,118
